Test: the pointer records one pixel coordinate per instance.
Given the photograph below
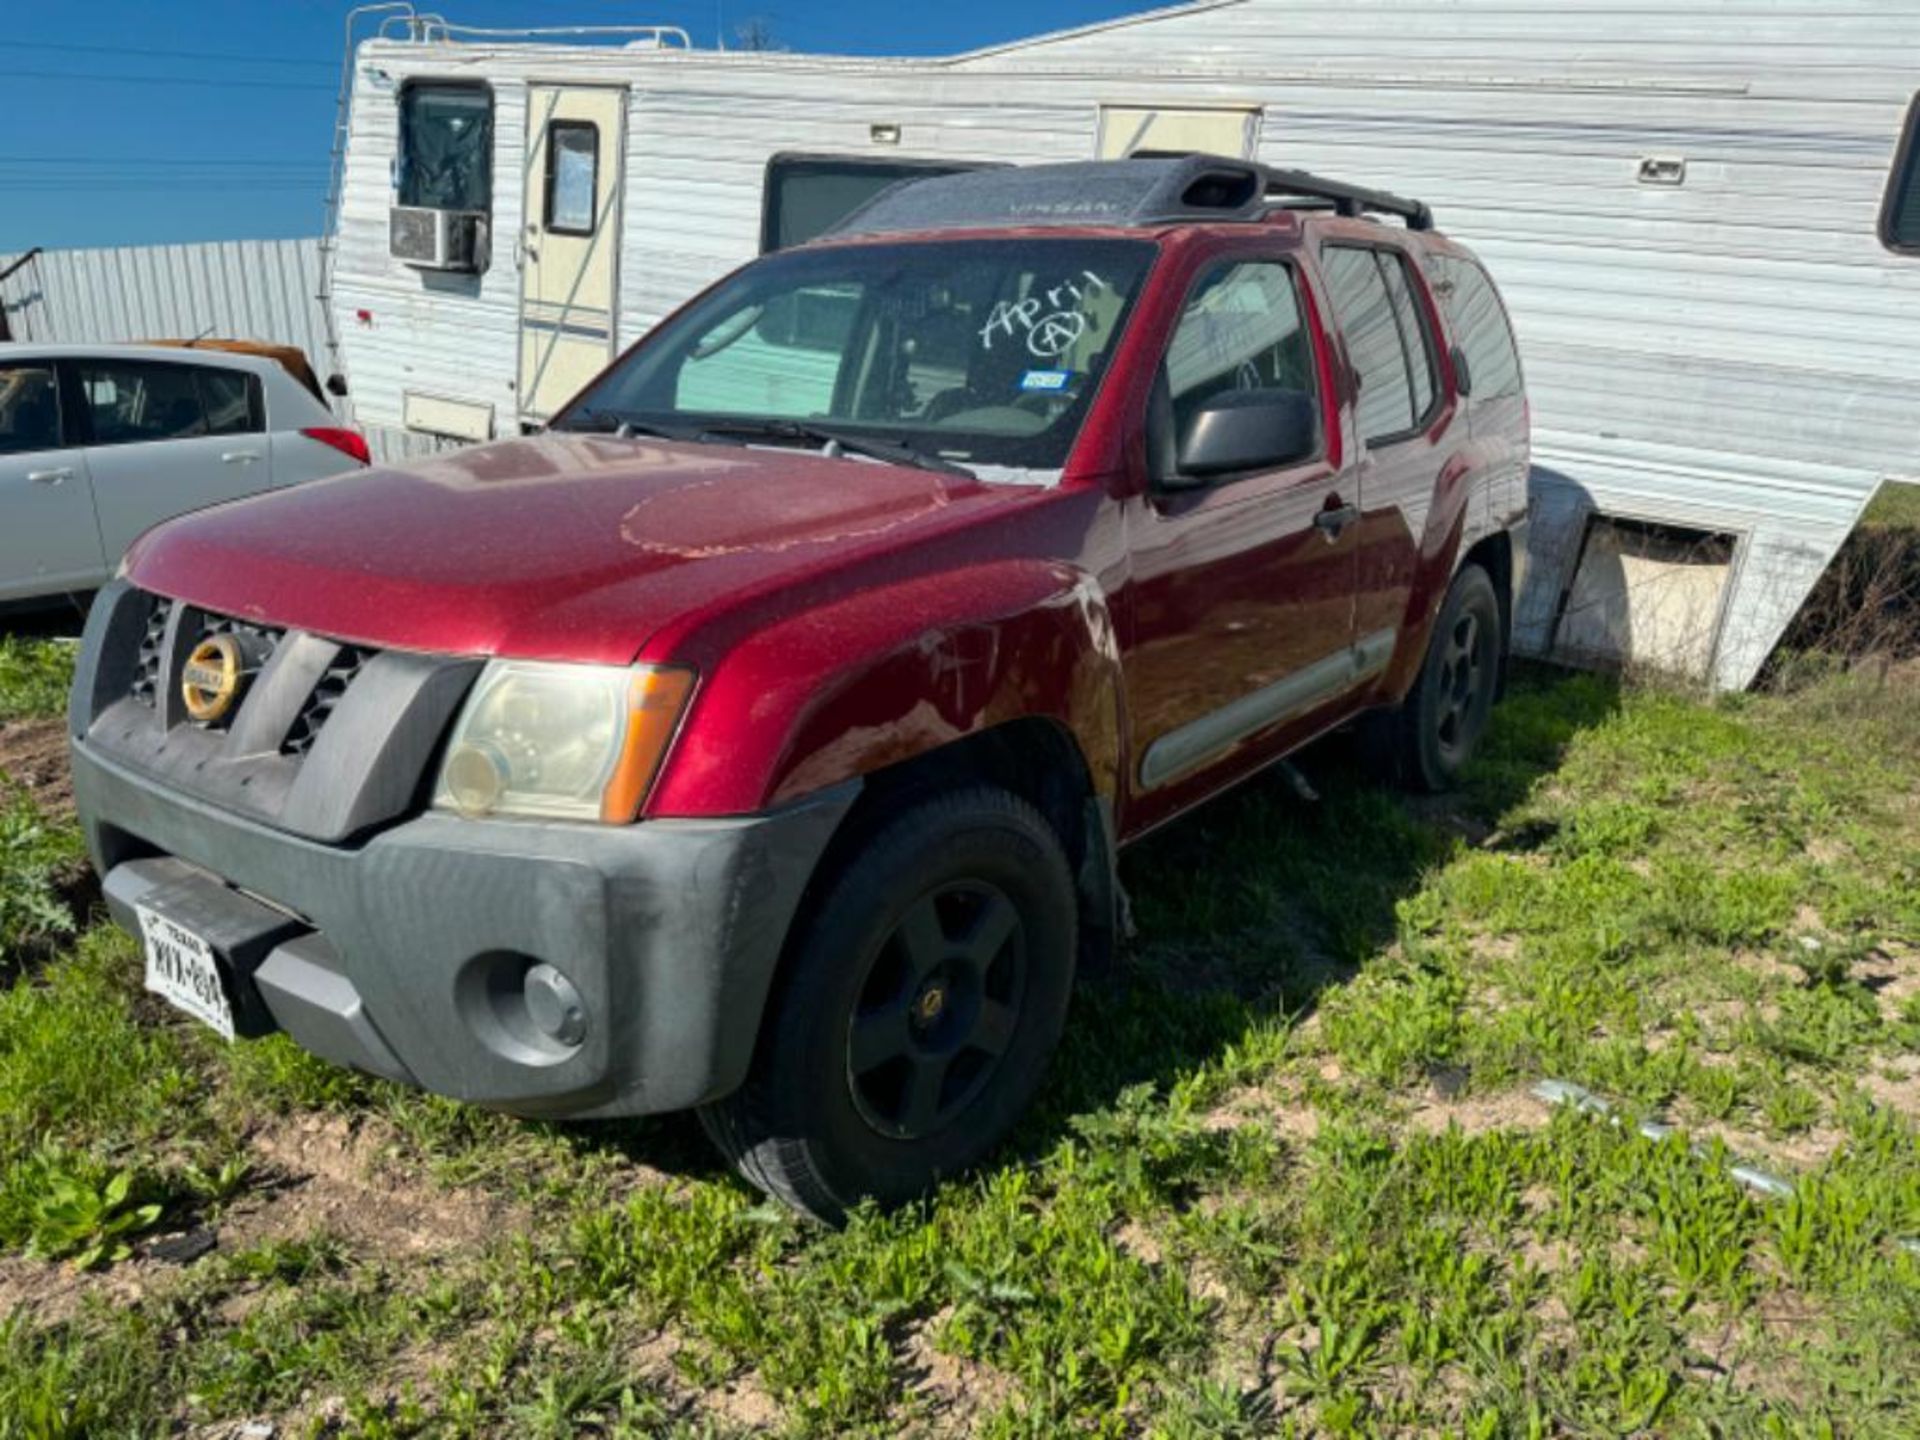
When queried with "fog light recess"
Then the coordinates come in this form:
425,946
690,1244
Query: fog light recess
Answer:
523,1009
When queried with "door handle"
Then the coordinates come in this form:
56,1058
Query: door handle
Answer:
50,477
1333,521
240,457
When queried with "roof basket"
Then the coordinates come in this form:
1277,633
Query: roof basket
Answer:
1149,188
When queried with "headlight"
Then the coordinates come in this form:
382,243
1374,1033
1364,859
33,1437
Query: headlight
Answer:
572,742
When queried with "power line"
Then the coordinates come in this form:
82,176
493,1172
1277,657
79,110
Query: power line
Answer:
185,81
222,55
210,160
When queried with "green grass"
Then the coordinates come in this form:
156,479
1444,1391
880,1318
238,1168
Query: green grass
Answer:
1285,1178
34,675
1895,506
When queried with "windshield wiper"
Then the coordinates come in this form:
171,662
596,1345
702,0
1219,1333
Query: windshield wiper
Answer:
618,423
893,452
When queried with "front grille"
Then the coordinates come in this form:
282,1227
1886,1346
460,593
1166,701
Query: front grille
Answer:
146,666
327,692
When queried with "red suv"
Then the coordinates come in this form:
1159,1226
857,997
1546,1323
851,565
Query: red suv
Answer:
761,738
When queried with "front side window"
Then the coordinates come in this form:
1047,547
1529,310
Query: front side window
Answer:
29,409
446,146
133,402
1480,325
1900,208
573,176
979,352
1241,330
1361,300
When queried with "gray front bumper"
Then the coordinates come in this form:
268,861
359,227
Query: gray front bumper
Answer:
396,955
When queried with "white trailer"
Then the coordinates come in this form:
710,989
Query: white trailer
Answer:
1700,211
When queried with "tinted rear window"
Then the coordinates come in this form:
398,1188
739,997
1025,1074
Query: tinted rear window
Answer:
1900,211
1480,327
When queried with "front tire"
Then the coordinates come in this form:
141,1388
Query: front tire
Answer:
916,1013
1445,715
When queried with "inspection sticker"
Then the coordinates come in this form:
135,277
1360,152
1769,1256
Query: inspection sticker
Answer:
1045,379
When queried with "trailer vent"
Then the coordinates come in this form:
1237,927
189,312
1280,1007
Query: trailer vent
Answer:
430,239
327,692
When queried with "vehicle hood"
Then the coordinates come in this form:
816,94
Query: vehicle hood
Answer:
562,547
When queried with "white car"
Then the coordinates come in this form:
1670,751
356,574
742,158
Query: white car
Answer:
99,442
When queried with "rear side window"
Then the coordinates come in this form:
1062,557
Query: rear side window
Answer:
1365,309
133,402
1900,209
231,399
1413,331
446,146
29,409
1480,327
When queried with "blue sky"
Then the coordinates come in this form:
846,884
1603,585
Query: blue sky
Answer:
145,121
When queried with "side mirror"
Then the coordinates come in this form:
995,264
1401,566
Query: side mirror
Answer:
1462,372
1246,430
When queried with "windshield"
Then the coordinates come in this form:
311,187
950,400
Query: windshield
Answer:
976,352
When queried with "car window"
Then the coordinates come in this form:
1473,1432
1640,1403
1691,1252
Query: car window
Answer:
1900,206
1365,308
133,401
1241,330
985,351
231,400
29,409
1480,327
1414,341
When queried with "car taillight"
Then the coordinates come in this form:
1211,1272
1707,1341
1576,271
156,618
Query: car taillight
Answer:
347,442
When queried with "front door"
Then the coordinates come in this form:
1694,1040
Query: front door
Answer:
1243,590
49,540
571,241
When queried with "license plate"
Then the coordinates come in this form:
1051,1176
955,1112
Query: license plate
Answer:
181,969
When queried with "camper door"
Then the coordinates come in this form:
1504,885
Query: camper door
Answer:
570,246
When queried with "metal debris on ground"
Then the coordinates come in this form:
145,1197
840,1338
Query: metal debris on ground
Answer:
1761,1182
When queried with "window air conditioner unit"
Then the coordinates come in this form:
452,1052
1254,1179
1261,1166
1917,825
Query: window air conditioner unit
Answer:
437,239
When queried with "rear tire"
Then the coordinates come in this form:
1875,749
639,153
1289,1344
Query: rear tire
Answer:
1445,715
916,1011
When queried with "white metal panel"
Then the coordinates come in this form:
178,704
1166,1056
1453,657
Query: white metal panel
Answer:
238,289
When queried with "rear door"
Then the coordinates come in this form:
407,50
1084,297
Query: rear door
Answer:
49,540
570,250
165,438
1400,415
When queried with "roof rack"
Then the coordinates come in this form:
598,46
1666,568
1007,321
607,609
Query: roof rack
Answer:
1149,188
1283,189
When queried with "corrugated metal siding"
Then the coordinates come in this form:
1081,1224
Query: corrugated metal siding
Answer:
240,289
1733,353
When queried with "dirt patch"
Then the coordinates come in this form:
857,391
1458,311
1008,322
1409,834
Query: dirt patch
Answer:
951,1391
1478,1114
1895,1085
51,1292
324,1175
33,754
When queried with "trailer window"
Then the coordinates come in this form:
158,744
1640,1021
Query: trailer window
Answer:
807,195
1900,210
573,176
446,147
